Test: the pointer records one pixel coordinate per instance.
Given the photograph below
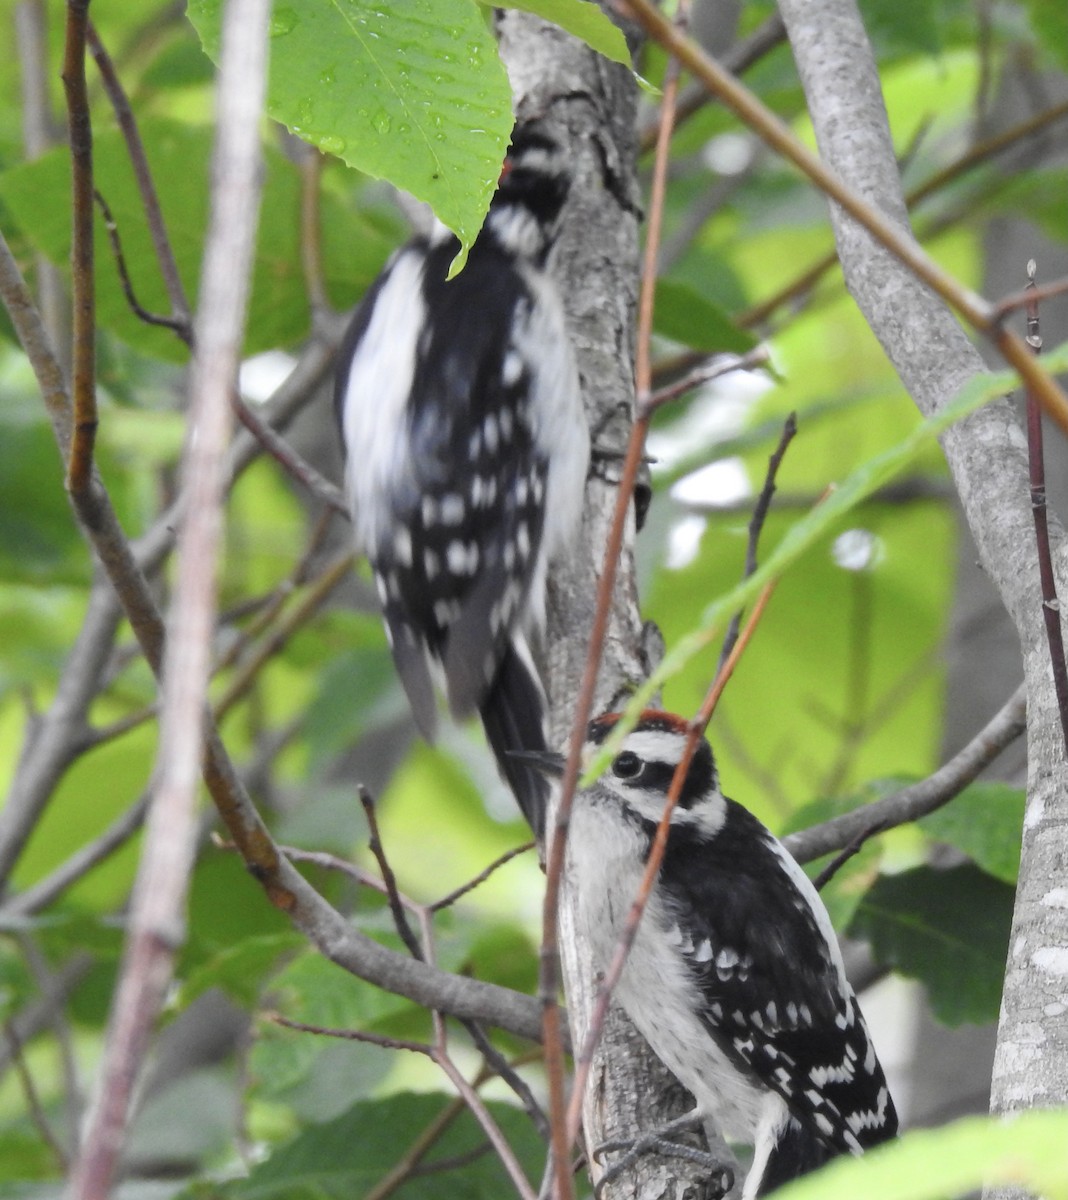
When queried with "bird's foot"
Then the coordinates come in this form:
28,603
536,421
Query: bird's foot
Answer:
719,1179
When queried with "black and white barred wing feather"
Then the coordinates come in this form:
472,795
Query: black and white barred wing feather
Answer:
465,484
805,1039
467,448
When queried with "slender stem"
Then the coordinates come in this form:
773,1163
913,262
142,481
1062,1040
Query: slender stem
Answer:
396,906
1051,605
156,919
180,310
759,356
756,526
83,355
111,227
311,238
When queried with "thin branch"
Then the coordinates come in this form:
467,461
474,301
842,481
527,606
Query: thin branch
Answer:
488,1125
266,609
154,930
33,1099
280,450
738,59
39,134
448,900
756,526
1029,295
918,799
177,326
351,1035
83,356
396,907
310,603
59,733
47,890
978,154
181,320
652,863
1051,605
759,356
987,149
843,856
310,163
408,1165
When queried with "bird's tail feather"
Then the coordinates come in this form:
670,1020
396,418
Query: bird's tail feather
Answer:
513,716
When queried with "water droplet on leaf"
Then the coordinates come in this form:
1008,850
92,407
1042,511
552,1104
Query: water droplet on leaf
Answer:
283,21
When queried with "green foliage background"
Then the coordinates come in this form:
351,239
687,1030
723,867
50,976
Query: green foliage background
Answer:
842,689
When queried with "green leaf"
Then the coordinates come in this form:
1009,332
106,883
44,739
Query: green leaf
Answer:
412,91
817,524
350,697
986,822
948,929
240,970
38,196
38,536
1026,1150
583,20
348,1156
315,991
684,315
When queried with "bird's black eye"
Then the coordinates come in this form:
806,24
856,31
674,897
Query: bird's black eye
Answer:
627,765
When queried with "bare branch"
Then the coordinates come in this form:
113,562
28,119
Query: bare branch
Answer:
1051,605
918,799
756,525
83,357
448,900
33,1100
396,907
179,327
181,320
43,893
280,450
156,916
720,366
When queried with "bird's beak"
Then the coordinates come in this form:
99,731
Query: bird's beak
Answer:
548,762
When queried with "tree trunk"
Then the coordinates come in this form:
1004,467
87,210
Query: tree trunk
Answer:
987,458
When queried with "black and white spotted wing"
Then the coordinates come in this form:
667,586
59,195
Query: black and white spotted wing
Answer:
808,1041
470,534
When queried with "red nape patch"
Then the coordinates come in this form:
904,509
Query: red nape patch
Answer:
651,719
506,170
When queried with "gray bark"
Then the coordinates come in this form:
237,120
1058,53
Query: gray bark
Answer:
987,457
